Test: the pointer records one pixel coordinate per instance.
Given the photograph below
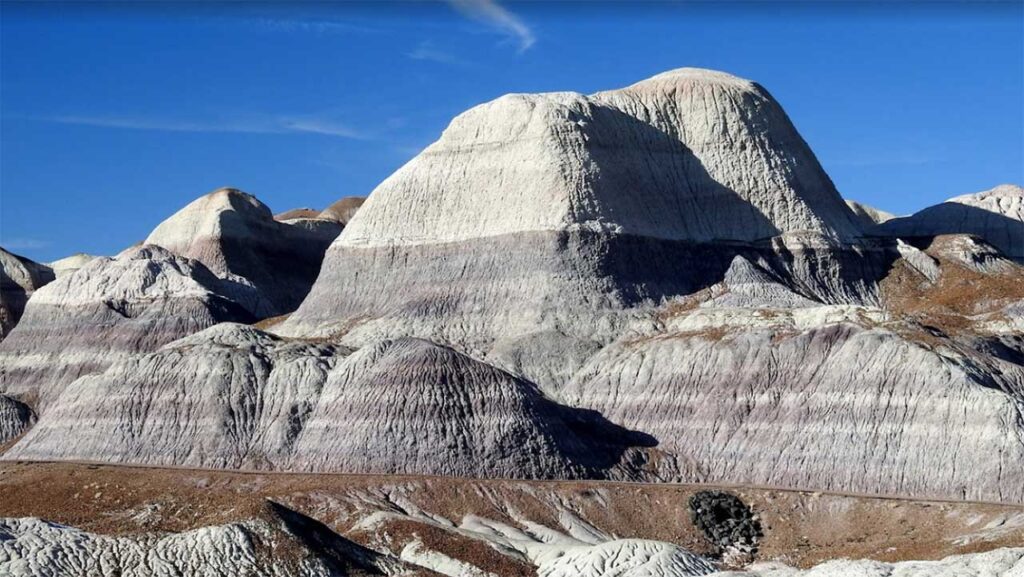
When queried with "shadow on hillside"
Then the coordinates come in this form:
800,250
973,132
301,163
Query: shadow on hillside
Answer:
920,229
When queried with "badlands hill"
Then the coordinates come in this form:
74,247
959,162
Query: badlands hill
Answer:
566,213
109,309
234,234
670,255
996,215
657,283
19,278
236,397
677,234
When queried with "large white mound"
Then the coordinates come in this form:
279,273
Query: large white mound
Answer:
563,214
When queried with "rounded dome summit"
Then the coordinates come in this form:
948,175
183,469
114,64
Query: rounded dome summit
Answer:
690,154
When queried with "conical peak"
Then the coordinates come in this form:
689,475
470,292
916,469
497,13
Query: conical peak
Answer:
203,217
227,198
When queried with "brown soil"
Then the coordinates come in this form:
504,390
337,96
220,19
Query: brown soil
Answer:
958,294
800,528
297,213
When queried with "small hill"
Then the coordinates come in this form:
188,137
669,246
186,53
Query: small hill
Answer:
344,209
109,309
296,213
70,264
234,234
996,215
869,216
19,278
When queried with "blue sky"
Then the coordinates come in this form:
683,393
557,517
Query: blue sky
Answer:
113,116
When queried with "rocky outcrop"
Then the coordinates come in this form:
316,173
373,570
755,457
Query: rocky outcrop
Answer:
70,264
15,418
108,310
236,397
277,543
235,235
19,278
37,548
300,546
869,216
995,215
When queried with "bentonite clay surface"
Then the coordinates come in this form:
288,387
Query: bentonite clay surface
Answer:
108,310
499,526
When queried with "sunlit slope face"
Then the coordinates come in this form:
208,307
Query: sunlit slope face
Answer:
687,155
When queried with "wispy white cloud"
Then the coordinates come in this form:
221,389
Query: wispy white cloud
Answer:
253,124
311,26
23,243
426,50
494,14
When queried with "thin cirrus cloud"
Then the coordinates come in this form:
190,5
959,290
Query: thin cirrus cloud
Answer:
427,51
23,243
495,15
311,26
253,125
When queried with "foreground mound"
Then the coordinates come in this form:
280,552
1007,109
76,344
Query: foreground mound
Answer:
996,215
236,397
108,309
627,557
19,278
277,542
233,233
412,406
